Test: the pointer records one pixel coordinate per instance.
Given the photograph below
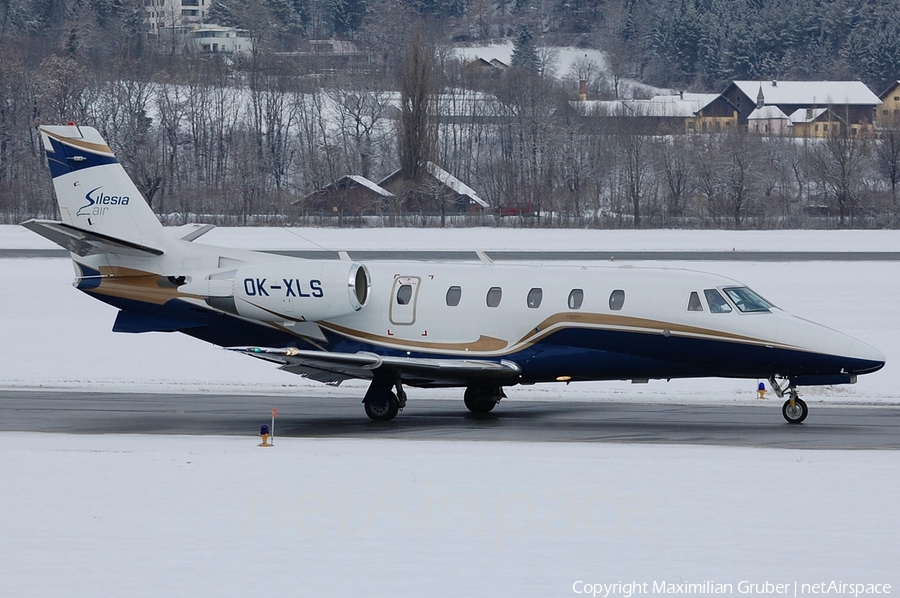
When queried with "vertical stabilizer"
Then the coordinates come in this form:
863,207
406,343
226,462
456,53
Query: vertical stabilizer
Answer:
93,190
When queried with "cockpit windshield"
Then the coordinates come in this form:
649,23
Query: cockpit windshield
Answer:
746,300
717,303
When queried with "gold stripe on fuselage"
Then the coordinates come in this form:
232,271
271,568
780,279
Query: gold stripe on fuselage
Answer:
484,344
499,347
137,285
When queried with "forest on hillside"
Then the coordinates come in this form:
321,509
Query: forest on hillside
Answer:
243,139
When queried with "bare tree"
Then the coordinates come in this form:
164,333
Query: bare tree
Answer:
887,156
837,161
633,148
743,159
676,172
416,130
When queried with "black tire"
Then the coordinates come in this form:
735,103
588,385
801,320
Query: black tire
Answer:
797,414
378,413
480,400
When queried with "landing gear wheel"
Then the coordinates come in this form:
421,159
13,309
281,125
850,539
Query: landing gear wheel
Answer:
383,413
796,413
481,400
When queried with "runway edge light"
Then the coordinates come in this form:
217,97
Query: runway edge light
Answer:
264,434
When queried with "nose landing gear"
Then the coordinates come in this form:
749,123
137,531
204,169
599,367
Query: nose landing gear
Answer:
794,409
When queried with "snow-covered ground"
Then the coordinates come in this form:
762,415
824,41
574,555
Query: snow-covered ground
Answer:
131,515
525,239
98,516
561,60
66,338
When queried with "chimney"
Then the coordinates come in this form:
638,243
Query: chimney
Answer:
582,90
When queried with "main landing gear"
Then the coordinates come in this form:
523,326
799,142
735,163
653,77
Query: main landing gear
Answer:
794,409
385,398
482,399
382,404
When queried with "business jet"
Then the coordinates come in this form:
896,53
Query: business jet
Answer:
477,326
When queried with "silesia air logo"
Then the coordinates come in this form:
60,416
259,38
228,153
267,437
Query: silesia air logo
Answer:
98,202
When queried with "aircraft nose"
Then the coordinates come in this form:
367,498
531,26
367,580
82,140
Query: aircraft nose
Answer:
867,354
861,358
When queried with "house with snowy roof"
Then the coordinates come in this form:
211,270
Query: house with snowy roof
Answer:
769,120
351,194
888,114
816,122
852,101
436,191
676,113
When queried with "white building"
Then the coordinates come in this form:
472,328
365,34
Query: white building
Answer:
215,39
171,15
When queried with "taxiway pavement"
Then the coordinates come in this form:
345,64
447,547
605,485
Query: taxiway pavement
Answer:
755,424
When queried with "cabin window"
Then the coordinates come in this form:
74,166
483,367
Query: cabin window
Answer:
717,303
616,300
576,298
404,294
493,296
694,302
746,300
534,298
454,294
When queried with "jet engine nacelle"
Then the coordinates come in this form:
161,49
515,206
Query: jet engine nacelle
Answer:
300,290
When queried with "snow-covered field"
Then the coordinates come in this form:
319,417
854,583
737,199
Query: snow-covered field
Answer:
560,60
412,239
99,516
131,515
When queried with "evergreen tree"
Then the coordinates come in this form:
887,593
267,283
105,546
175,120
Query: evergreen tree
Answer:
347,15
524,54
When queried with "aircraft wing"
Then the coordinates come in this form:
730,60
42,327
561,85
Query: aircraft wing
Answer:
334,368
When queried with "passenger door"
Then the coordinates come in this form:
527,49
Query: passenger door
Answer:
404,295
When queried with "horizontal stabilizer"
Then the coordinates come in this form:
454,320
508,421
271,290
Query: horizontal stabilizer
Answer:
190,232
84,243
334,367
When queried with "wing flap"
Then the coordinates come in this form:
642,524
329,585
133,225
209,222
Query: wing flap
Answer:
334,367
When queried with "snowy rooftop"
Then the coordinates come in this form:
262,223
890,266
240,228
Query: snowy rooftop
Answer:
370,185
810,92
769,113
664,108
694,102
806,115
454,183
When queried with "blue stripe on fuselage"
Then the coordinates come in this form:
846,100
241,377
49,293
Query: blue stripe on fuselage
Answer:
583,354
